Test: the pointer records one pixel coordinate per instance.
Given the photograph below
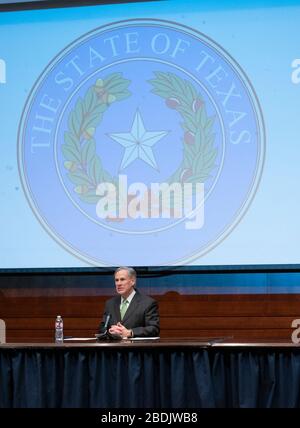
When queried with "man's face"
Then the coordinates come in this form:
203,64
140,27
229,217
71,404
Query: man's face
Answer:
124,283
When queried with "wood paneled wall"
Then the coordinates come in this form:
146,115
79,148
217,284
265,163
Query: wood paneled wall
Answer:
242,317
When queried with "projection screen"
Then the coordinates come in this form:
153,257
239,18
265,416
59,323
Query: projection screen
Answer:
150,134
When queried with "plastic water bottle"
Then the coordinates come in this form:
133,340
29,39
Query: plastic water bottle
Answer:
59,329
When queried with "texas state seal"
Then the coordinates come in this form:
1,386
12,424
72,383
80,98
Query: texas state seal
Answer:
141,143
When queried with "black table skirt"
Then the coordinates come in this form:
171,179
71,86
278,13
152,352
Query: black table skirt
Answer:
149,378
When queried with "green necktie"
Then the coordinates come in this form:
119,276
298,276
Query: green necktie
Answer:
123,308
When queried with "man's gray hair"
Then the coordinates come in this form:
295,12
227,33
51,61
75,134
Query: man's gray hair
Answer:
130,270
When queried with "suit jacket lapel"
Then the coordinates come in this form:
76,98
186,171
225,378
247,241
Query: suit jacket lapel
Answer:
117,309
131,308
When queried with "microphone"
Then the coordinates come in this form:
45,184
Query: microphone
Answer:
104,333
107,319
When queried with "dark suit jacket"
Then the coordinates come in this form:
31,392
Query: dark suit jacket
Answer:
141,317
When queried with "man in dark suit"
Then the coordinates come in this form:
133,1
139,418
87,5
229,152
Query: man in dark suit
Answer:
131,314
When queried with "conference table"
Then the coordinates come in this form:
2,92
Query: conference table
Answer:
150,374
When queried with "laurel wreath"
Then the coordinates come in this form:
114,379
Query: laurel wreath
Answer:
199,153
85,169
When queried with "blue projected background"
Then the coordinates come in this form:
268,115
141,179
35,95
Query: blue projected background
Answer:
150,134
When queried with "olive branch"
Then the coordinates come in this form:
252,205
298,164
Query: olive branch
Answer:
84,166
199,153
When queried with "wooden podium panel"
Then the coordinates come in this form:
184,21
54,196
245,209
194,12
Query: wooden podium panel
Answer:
242,317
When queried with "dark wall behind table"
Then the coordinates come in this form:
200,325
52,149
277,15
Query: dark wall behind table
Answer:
184,280
191,305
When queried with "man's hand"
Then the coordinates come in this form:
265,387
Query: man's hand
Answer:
120,330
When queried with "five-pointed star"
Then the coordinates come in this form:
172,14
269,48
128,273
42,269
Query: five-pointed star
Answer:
138,143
